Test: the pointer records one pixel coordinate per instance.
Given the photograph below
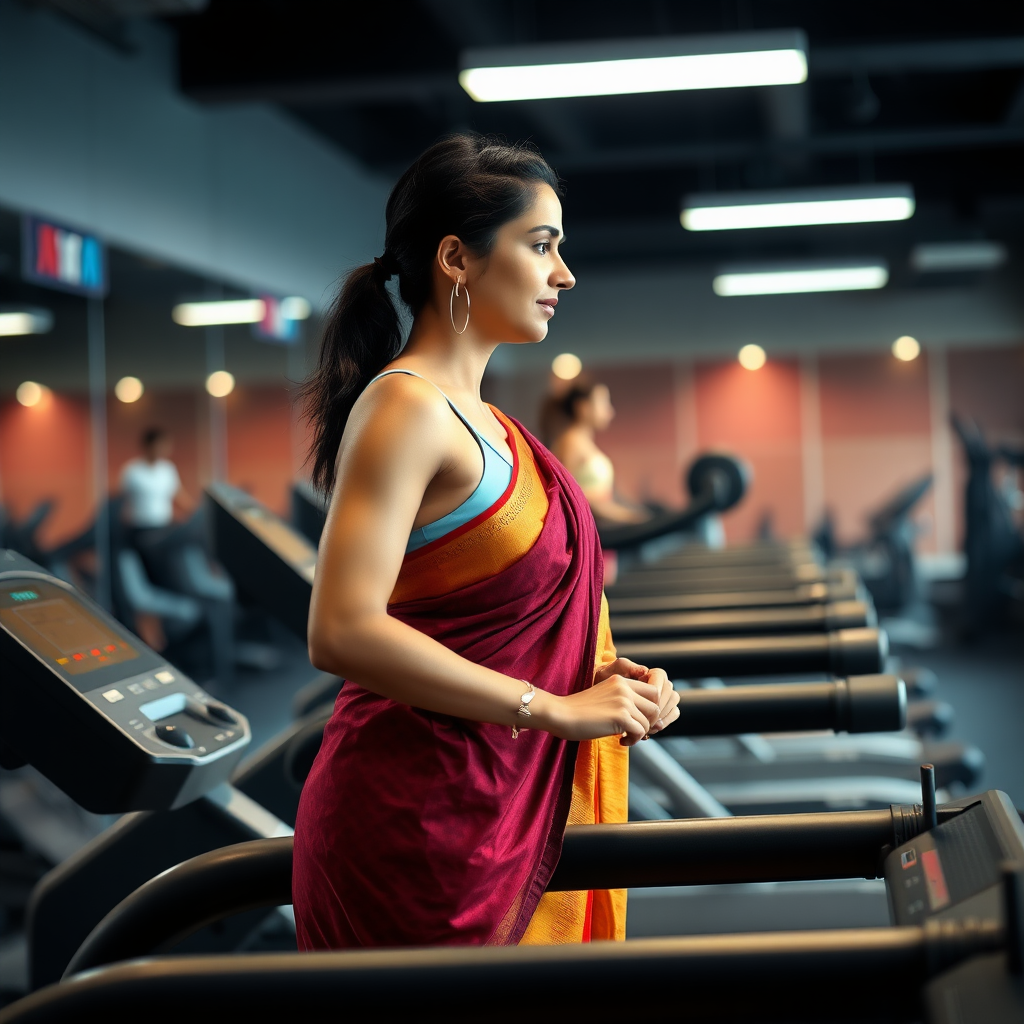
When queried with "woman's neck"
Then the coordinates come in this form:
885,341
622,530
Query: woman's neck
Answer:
584,430
455,361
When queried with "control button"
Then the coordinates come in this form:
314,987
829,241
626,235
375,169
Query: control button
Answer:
221,714
174,736
165,677
219,737
113,696
149,684
135,687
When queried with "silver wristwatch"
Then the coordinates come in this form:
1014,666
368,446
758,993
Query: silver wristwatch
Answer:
524,706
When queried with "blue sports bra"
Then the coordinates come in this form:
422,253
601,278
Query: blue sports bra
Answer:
493,484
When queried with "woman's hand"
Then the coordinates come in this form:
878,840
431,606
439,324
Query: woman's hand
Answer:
626,700
667,699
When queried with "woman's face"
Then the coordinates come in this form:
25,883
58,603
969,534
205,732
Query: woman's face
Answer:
515,288
596,410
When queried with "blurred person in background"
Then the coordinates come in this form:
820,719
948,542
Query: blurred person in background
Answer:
576,416
570,420
152,491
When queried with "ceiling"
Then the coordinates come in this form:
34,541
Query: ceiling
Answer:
930,93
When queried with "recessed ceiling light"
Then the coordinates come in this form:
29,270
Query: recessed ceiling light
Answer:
566,366
129,389
615,68
752,357
220,383
906,349
30,393
729,211
784,278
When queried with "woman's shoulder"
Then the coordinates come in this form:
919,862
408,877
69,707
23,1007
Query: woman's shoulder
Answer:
399,404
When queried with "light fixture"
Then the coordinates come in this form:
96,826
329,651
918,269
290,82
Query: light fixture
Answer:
936,257
129,389
219,311
566,366
295,307
24,320
906,349
752,357
728,211
220,383
616,68
784,277
30,393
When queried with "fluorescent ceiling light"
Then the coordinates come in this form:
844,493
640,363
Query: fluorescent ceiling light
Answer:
788,278
221,311
666,64
936,257
24,321
726,211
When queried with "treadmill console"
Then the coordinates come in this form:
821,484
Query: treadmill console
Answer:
98,712
272,563
952,872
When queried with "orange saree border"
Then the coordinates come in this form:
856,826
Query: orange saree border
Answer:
599,794
486,545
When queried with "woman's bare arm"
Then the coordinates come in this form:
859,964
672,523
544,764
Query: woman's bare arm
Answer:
399,438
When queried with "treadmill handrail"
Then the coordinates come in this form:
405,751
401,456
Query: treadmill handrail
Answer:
632,534
721,978
754,848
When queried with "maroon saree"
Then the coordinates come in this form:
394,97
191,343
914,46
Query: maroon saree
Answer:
416,828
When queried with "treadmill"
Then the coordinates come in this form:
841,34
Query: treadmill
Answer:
948,861
273,565
120,731
954,952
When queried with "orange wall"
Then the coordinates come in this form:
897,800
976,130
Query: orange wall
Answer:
756,415
45,451
872,430
876,437
44,455
875,417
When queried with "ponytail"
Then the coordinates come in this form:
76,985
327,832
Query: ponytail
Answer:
361,336
465,185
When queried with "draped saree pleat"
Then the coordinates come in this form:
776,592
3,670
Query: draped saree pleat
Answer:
416,828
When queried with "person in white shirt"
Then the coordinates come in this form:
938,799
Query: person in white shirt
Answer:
152,489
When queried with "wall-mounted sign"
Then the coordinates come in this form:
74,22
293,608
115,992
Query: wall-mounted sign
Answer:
279,322
57,256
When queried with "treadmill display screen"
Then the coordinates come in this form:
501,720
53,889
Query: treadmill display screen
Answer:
58,628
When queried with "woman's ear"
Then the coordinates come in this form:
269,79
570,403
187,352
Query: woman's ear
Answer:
451,257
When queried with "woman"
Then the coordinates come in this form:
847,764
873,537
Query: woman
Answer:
458,590
584,410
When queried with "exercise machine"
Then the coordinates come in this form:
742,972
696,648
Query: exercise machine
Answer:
953,874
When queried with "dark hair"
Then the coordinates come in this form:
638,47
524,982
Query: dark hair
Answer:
465,185
559,410
151,435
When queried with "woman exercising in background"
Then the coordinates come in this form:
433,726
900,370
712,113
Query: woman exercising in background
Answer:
585,409
458,590
572,418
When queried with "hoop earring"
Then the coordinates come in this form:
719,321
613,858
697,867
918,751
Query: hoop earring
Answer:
451,306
